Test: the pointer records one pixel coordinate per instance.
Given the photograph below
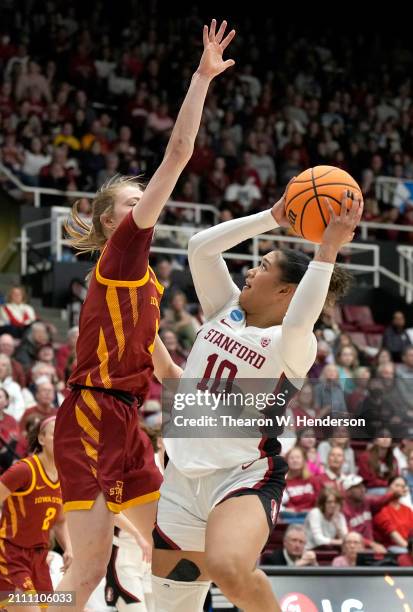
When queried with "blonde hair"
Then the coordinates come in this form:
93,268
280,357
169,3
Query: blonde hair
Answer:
88,237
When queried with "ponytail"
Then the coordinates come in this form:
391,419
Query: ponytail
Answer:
89,236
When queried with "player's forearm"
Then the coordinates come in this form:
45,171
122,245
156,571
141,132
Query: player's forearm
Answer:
62,536
182,140
219,238
122,522
398,539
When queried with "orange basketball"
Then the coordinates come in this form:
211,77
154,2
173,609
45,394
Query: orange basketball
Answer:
305,204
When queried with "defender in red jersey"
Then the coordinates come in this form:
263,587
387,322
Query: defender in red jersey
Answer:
32,507
105,462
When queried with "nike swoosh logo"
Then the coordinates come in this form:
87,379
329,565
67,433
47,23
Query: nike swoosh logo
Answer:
225,323
42,487
247,465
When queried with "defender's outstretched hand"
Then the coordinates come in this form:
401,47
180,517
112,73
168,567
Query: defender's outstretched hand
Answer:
212,63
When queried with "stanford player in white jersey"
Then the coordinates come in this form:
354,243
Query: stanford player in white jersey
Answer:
221,496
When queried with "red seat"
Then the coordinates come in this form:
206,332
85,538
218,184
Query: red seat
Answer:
362,317
343,325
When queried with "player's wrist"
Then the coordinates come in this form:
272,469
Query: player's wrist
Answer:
201,76
327,252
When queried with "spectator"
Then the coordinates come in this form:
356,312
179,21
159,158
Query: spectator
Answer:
16,315
27,350
16,400
66,354
359,509
408,472
323,358
333,475
7,347
347,363
308,442
33,80
263,164
44,395
383,357
395,337
401,452
325,525
46,372
352,545
303,404
377,465
9,434
170,340
243,192
394,523
341,439
217,182
299,493
110,170
404,370
293,552
34,160
179,320
360,392
164,273
329,396
404,374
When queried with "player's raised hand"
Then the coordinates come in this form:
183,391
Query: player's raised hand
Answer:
212,63
340,229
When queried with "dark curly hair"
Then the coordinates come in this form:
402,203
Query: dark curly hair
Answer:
294,265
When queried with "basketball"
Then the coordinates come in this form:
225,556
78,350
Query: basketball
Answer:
305,204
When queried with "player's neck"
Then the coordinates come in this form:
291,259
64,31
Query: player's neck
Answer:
48,466
263,320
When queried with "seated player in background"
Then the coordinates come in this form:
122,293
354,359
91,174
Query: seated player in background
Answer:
32,507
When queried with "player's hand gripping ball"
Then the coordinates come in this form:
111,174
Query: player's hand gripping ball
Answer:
306,204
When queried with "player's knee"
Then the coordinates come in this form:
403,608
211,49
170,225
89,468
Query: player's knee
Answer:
92,574
228,572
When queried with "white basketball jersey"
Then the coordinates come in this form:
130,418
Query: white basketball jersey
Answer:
227,349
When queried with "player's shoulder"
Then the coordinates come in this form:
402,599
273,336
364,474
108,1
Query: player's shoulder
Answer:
231,309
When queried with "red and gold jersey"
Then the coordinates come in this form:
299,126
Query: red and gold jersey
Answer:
120,316
33,506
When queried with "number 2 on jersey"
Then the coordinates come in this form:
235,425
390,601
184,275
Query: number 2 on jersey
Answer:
224,366
50,514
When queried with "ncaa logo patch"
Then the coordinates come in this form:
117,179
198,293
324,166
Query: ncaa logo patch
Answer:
265,342
236,315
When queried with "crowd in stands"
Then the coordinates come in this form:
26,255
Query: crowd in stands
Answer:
82,100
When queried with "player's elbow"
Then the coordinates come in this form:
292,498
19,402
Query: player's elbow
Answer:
180,150
194,246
